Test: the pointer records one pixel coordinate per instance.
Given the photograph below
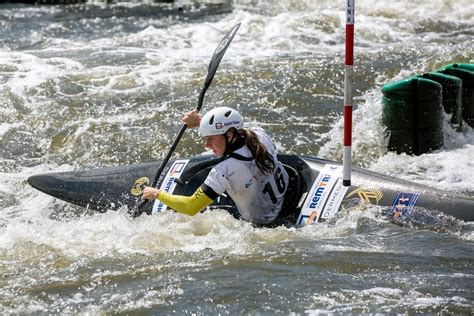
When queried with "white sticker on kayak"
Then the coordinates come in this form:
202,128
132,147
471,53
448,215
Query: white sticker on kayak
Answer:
334,201
169,184
324,189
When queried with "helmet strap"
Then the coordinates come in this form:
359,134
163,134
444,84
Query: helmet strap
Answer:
235,143
226,144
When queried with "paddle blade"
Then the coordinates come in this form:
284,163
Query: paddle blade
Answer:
219,53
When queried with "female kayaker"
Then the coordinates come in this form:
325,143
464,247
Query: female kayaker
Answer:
249,172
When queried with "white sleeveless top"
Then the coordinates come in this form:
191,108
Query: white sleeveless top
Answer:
257,195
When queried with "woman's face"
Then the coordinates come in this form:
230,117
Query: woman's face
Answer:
216,143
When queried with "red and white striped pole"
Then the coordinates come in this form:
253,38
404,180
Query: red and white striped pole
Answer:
346,173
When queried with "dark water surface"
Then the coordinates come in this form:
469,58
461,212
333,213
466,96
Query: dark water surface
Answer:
91,85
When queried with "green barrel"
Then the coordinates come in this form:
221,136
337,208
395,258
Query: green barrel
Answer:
469,67
413,115
465,72
451,94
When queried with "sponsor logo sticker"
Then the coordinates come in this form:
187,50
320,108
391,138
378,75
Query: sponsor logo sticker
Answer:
320,193
368,195
403,205
232,123
334,201
168,184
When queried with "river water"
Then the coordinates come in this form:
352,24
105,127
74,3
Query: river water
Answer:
96,84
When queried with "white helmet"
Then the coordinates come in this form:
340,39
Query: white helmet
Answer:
219,120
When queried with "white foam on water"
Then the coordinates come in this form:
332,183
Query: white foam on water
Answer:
368,141
114,234
388,300
31,71
306,28
6,127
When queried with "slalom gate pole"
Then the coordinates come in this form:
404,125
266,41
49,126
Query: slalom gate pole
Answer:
346,173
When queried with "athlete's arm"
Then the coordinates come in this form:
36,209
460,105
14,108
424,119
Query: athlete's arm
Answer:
189,205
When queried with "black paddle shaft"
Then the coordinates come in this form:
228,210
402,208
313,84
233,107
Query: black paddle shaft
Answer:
213,65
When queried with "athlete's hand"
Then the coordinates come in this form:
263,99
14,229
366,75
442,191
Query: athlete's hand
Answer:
150,193
191,119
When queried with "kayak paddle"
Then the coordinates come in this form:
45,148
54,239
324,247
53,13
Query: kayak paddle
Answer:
215,60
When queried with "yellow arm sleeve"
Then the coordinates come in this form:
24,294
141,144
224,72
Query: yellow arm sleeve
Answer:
189,205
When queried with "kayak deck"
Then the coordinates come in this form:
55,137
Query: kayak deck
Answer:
111,188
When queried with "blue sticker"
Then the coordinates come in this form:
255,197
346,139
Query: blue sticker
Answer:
402,205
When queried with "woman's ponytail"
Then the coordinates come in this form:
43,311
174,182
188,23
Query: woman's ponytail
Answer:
259,151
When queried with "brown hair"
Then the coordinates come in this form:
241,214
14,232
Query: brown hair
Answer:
259,151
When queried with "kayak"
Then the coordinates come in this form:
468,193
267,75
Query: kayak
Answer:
315,191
